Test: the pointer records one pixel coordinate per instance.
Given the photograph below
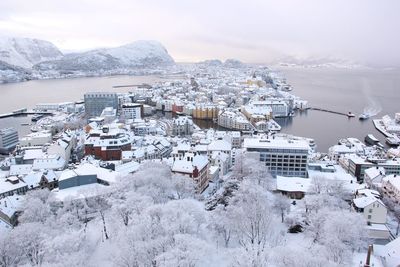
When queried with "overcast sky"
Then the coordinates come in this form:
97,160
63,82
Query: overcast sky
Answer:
253,31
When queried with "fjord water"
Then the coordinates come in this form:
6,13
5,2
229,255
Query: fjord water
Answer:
374,91
340,90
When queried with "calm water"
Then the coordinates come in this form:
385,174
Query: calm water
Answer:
340,90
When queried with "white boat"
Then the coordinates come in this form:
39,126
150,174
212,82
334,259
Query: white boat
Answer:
363,116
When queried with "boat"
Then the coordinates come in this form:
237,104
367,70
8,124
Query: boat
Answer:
371,140
37,117
393,140
350,114
363,116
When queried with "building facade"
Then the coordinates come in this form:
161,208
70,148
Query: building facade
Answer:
96,102
282,157
8,139
132,111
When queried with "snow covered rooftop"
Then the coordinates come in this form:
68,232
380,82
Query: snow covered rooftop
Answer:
189,162
89,169
277,143
9,205
7,186
292,184
79,192
363,202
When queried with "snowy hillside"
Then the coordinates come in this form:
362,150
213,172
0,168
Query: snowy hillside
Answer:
25,52
134,55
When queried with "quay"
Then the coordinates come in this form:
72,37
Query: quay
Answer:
24,112
349,115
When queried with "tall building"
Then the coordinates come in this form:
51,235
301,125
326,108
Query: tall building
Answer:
132,111
96,102
8,139
284,157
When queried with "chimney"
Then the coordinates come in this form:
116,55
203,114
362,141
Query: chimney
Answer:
368,260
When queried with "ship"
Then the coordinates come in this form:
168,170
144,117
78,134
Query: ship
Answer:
363,116
350,114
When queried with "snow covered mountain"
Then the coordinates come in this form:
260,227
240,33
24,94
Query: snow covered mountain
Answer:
26,52
140,54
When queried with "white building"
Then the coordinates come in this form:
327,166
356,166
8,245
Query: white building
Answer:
182,126
285,157
131,111
36,139
232,119
391,187
194,166
373,209
279,108
373,177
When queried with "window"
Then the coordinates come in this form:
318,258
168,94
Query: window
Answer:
370,210
369,217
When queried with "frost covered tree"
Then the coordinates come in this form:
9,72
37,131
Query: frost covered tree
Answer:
282,205
36,207
30,240
256,226
9,254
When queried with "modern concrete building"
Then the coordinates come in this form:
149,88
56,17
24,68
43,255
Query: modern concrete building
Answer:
8,139
356,165
284,157
96,102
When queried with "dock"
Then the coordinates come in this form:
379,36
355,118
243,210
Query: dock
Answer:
332,111
24,113
380,127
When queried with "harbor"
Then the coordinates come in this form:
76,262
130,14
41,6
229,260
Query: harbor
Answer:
24,112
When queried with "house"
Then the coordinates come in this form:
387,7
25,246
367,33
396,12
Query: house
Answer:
12,185
86,174
9,209
63,146
373,177
43,179
293,187
391,187
222,161
373,209
389,253
195,166
49,162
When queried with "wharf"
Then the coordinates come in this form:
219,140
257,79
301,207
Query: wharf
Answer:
380,127
24,113
333,112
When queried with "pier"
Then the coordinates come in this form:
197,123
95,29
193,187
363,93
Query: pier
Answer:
24,113
333,112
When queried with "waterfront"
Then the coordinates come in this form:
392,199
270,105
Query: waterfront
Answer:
340,90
